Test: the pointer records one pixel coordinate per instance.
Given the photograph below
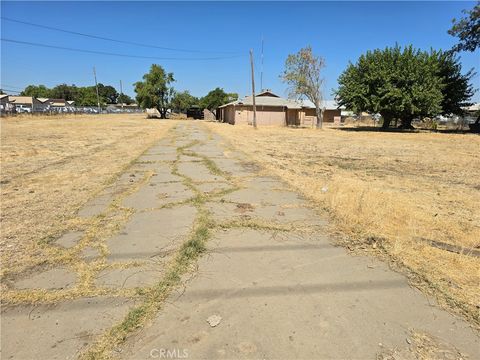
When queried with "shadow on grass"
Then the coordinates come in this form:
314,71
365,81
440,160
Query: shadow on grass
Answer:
402,131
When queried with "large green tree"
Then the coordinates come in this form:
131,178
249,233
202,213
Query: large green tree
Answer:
397,83
216,98
467,29
303,74
155,91
183,100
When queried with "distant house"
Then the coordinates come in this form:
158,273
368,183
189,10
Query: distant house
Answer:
58,103
275,111
28,103
6,106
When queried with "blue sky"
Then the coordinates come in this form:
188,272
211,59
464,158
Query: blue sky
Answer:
339,31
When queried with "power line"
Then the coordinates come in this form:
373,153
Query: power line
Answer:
10,90
117,54
11,86
114,40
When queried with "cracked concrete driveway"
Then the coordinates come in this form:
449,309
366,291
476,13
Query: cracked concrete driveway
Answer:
270,275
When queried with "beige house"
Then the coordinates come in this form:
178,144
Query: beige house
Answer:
272,110
29,102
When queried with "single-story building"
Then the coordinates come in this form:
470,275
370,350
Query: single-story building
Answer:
6,106
276,111
29,103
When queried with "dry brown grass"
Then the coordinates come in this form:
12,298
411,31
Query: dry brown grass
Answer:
51,166
387,191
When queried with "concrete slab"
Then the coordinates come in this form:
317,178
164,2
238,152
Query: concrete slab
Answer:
210,149
290,299
59,331
96,206
212,187
52,279
265,197
161,150
232,166
129,277
157,157
152,234
187,158
300,216
90,254
197,172
154,195
70,239
163,176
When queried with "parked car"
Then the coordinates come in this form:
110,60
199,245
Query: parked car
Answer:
195,112
23,109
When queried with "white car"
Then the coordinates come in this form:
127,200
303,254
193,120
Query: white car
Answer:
23,109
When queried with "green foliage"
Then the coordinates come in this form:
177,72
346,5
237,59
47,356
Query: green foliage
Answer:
124,99
467,29
403,84
40,91
83,96
183,100
107,94
155,90
64,91
87,96
216,98
303,75
457,89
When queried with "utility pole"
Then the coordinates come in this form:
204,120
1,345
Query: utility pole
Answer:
253,91
121,92
261,72
96,86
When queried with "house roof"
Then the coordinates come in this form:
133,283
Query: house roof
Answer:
474,107
327,104
2,96
267,98
22,99
43,99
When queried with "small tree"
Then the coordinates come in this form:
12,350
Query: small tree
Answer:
467,29
183,100
216,98
155,90
303,75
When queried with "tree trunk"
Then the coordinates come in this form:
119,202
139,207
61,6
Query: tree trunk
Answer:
387,119
407,123
319,113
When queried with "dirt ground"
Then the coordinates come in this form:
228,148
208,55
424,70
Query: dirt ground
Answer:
196,251
408,195
51,166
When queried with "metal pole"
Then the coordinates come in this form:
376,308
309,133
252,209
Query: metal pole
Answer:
261,72
121,92
253,91
96,86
